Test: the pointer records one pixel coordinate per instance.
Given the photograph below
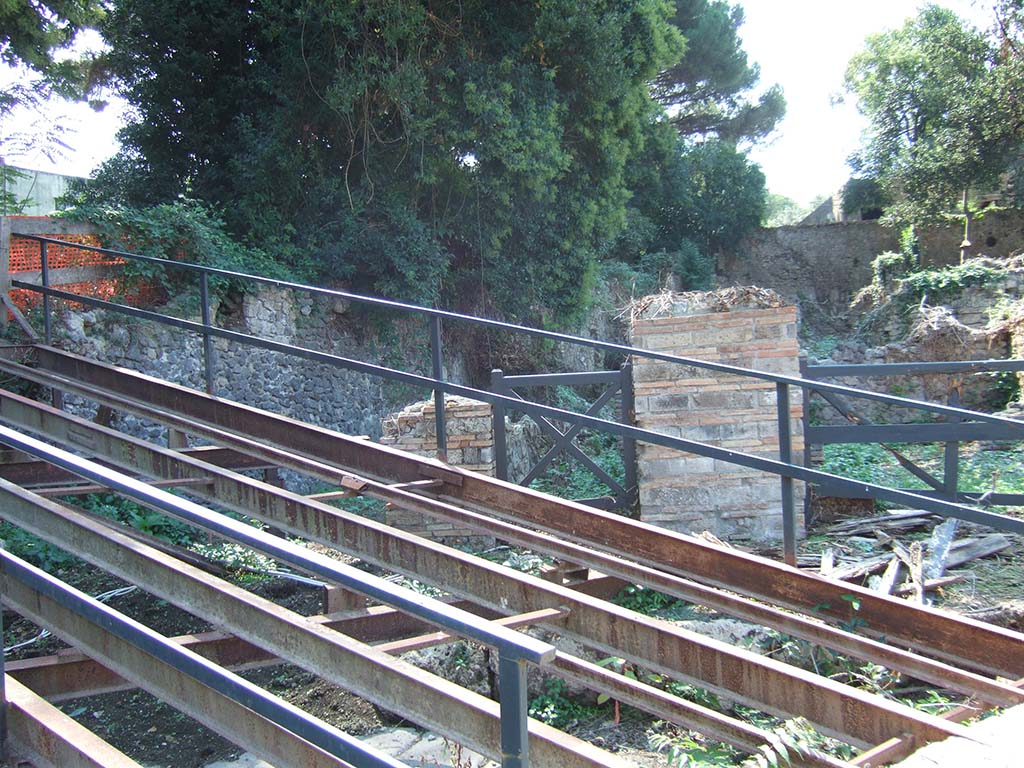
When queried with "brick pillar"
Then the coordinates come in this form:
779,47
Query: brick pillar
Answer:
470,437
749,328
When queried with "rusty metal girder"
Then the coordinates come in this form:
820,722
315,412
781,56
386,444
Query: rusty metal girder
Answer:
436,704
762,683
991,649
222,714
41,733
152,458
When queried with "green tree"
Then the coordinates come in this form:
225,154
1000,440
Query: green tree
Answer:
397,143
781,210
34,38
709,91
31,35
691,201
935,130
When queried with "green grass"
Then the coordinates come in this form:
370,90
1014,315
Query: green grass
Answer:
1001,471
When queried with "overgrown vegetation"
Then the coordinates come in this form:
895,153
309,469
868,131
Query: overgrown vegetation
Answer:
471,154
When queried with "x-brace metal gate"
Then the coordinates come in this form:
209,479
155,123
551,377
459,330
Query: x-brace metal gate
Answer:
619,384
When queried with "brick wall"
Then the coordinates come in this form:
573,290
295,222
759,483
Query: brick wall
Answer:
470,439
691,493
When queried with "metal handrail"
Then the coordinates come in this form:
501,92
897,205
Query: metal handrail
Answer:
515,648
606,346
784,468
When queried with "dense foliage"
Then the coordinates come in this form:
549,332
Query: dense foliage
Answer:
32,33
938,99
440,151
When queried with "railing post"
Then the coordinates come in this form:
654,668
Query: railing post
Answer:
44,262
3,699
627,414
204,297
498,418
786,456
951,454
513,706
805,401
437,365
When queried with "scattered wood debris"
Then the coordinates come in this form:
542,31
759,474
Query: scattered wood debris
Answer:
892,567
668,303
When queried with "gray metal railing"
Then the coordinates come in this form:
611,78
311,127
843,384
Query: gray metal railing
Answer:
515,649
783,467
951,432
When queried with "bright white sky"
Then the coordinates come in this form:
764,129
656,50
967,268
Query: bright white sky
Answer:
803,45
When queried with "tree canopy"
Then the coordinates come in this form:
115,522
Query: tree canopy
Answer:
708,91
31,34
938,123
426,150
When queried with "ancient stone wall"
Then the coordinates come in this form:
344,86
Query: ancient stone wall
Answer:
469,433
829,263
687,492
303,389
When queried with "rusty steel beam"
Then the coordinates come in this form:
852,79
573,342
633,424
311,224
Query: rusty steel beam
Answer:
991,649
35,473
759,682
71,674
42,734
230,489
435,703
217,711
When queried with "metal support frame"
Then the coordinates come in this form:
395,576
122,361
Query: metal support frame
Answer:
512,646
619,383
287,735
583,611
307,448
786,456
247,496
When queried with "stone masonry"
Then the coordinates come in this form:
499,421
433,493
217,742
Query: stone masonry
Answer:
750,328
470,440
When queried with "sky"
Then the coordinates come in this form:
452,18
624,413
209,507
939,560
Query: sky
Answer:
803,45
